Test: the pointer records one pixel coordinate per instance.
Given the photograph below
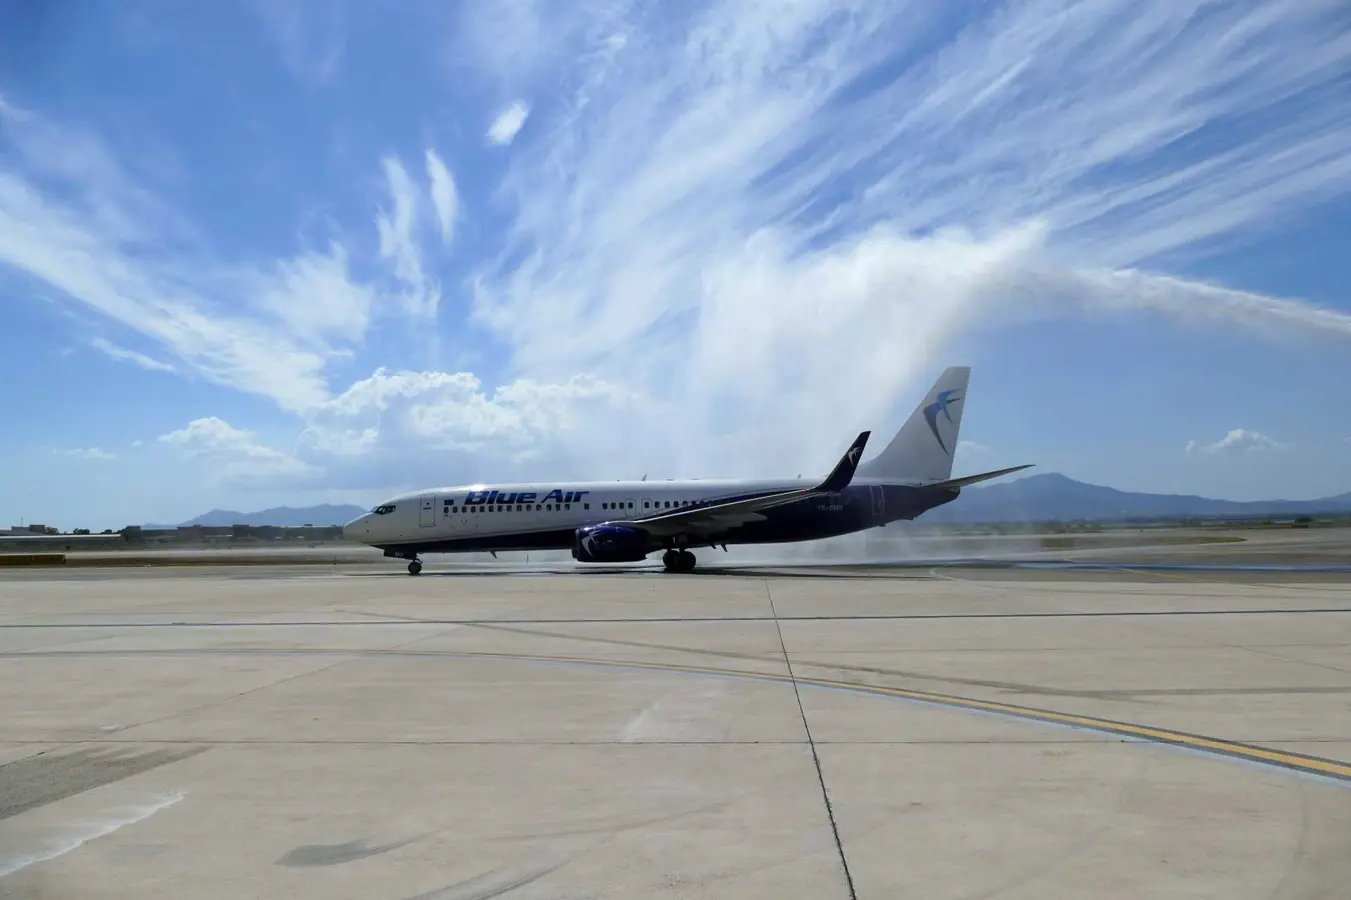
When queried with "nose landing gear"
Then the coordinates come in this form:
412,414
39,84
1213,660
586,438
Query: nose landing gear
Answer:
415,567
678,561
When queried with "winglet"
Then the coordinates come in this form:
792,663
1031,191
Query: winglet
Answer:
843,473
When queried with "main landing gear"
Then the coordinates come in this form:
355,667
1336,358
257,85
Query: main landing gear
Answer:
678,561
415,567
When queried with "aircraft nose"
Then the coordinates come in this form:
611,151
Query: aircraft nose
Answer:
356,529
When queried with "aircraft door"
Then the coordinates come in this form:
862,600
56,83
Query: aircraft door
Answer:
427,510
879,500
648,507
632,508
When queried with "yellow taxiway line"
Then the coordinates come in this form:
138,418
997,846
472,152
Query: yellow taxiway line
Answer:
1251,752
1297,762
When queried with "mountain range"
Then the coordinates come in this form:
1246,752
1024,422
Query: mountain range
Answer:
323,514
1054,497
1038,498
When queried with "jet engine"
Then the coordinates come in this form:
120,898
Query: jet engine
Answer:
610,544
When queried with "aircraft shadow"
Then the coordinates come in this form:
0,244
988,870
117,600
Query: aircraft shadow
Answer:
701,572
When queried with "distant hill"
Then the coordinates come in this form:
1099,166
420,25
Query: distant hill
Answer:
324,514
1041,498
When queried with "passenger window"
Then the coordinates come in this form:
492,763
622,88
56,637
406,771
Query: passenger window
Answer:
567,506
586,506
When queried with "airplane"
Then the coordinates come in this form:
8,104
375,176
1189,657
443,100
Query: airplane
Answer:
626,521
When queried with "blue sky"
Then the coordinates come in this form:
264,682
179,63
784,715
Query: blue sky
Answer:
277,252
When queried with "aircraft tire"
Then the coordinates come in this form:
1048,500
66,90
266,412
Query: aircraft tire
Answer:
671,560
415,568
686,561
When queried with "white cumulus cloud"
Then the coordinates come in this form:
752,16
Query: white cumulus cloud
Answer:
234,453
444,418
1237,440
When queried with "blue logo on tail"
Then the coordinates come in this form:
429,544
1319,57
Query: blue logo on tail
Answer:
931,412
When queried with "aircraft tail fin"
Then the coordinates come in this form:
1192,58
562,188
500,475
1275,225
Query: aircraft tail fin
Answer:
922,450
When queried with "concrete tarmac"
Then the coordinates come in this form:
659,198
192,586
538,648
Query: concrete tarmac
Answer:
934,733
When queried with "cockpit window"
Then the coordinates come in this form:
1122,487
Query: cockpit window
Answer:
384,510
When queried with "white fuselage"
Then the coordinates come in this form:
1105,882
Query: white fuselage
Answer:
482,513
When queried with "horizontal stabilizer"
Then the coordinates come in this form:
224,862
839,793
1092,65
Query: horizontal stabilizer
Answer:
975,479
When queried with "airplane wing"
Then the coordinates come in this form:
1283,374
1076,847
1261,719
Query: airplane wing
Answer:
713,518
975,479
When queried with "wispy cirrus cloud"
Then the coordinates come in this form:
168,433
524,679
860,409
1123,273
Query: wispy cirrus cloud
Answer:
121,354
74,220
717,206
53,243
400,244
739,194
445,196
89,453
312,37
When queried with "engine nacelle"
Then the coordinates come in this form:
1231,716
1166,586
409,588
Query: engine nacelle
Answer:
610,544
